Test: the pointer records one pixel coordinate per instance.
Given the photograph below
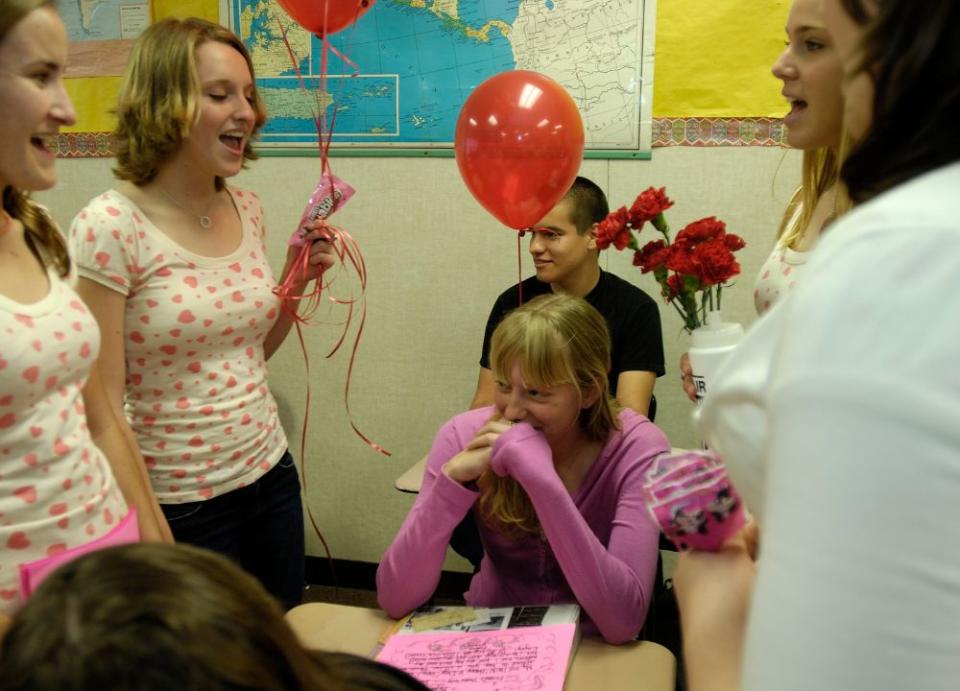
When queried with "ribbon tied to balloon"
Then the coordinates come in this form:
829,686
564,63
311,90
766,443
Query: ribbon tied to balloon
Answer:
323,18
519,143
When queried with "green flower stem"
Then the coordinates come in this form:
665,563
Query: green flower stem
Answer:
660,223
679,311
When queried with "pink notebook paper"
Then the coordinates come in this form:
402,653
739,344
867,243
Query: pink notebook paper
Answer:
517,658
33,573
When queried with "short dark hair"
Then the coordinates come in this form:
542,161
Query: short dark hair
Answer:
588,204
911,50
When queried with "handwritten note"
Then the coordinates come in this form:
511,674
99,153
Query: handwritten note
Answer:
507,660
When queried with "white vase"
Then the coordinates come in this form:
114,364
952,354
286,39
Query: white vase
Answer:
709,347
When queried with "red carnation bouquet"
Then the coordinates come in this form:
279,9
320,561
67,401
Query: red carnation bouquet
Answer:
698,260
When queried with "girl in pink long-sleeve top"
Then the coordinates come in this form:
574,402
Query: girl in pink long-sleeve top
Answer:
553,473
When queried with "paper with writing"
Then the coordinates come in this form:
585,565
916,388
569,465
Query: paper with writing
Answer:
507,660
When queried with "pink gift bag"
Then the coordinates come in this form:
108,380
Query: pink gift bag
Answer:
33,573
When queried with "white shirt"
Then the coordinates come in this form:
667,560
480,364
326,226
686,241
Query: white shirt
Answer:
57,490
839,417
778,275
194,328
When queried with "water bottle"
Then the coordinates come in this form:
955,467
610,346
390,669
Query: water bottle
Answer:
710,345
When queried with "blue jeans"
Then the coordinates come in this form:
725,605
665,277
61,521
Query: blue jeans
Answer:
259,526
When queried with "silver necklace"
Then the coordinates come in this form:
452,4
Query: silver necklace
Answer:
202,219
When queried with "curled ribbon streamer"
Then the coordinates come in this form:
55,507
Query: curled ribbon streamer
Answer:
345,245
346,248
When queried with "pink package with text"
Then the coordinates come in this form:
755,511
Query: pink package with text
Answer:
693,501
328,196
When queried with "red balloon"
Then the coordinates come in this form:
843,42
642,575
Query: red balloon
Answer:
519,144
325,17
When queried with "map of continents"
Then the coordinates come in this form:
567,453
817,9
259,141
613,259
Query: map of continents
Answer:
104,20
416,61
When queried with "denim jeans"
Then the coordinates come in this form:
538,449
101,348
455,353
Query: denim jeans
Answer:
259,526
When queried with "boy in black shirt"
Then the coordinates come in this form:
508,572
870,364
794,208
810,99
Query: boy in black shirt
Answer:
565,254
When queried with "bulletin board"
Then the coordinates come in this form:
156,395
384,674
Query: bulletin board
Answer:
712,85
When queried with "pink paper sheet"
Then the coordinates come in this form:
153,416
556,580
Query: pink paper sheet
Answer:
509,660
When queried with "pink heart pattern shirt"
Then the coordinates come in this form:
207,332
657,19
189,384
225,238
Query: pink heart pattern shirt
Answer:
57,490
196,376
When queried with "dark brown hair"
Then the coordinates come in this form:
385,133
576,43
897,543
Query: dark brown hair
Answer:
152,617
911,50
588,204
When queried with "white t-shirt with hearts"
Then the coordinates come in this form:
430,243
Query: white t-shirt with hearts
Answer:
57,490
780,271
196,375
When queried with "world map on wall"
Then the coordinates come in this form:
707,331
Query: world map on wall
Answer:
104,20
414,62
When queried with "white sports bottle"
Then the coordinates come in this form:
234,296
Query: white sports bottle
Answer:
710,345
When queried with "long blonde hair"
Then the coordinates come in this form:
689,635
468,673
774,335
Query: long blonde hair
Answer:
821,171
556,339
42,234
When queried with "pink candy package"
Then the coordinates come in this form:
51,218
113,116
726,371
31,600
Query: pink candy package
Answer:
330,194
693,501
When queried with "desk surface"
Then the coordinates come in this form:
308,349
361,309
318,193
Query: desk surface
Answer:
411,480
639,666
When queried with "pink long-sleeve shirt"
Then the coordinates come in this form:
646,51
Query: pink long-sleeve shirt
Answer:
599,545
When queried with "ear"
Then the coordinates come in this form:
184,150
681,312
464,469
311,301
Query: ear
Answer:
592,233
590,396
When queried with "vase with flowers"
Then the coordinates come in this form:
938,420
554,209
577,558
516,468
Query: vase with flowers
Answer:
691,268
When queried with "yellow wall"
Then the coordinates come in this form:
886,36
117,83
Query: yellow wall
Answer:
713,58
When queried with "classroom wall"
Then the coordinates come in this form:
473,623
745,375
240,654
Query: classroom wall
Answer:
436,261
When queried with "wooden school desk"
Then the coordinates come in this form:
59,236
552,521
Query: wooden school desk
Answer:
637,666
411,480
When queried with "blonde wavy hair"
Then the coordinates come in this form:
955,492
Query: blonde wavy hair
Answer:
821,171
42,234
159,99
556,339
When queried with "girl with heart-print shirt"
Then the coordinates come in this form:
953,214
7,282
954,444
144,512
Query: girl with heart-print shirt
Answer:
172,262
59,493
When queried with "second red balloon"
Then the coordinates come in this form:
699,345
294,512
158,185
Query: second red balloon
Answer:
519,143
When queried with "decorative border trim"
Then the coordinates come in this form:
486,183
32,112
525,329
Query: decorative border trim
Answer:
666,132
85,145
718,132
